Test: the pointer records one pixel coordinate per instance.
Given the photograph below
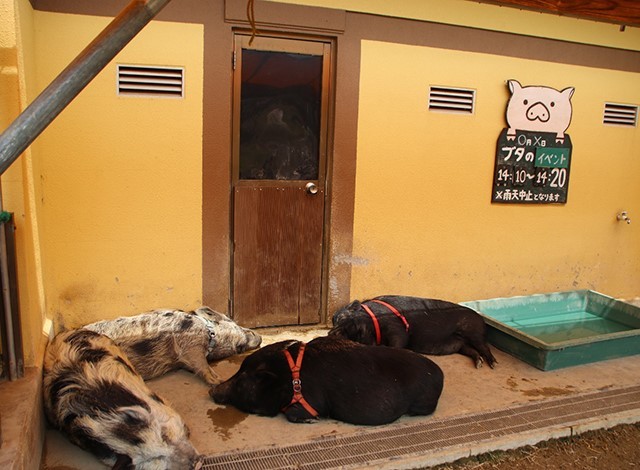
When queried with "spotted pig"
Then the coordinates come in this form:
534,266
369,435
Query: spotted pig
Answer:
427,326
160,341
94,396
337,378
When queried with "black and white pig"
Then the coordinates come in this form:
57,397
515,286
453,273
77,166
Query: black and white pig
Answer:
160,341
94,396
337,378
427,326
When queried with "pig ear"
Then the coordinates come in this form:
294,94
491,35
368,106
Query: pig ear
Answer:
265,376
123,462
355,305
514,85
568,92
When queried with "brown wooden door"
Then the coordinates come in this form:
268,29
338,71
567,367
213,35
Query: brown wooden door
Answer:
280,126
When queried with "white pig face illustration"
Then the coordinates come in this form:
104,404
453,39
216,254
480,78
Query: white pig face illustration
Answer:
538,109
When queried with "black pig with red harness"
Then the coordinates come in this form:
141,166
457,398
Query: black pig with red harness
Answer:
427,326
336,378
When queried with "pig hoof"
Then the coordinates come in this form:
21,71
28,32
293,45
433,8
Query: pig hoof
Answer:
479,362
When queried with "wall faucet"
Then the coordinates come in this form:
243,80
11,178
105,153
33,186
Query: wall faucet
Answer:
624,216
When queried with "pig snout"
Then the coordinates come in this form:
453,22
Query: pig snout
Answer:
538,111
186,457
253,340
220,393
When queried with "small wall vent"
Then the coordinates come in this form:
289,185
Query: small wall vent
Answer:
620,114
452,100
143,80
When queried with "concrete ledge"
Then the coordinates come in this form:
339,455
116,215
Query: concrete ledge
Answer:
22,422
431,442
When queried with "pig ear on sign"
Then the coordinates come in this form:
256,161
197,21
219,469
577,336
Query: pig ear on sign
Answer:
568,92
513,85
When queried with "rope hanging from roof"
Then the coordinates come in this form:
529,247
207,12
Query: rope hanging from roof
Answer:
252,20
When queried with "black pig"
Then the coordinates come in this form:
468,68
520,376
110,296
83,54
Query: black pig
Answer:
339,379
427,326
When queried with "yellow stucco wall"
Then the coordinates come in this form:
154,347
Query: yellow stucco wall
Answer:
16,65
10,96
120,188
424,223
114,188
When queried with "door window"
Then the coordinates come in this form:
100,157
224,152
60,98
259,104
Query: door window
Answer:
280,110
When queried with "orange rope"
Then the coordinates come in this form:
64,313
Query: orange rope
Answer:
251,16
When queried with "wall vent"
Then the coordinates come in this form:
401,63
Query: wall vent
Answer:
149,81
452,100
620,114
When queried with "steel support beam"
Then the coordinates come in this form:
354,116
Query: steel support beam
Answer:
72,80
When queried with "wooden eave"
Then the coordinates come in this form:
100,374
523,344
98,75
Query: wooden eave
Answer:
622,12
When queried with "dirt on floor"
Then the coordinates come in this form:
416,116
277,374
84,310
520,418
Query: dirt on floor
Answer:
617,448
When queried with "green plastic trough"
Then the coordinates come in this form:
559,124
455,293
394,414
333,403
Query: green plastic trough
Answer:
562,329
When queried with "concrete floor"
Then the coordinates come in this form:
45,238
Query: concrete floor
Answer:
217,429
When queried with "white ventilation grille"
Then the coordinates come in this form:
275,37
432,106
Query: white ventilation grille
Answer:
143,80
452,100
620,114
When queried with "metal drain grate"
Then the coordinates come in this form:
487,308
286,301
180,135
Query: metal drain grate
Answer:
398,441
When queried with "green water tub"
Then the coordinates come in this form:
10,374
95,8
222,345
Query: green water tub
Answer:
561,329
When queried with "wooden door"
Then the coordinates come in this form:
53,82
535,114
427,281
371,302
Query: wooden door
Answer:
280,127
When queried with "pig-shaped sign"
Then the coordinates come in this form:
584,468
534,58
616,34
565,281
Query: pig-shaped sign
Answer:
538,109
533,156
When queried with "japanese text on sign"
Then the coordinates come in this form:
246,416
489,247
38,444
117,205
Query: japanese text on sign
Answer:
531,167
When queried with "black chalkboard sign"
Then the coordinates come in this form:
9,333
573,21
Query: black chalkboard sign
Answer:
531,168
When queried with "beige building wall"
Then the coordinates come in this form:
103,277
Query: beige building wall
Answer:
119,191
424,223
108,200
17,73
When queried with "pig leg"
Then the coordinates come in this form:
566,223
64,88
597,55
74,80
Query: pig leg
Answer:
470,351
450,345
423,408
297,414
481,346
195,361
485,352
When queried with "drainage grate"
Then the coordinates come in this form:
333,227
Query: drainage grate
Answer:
398,441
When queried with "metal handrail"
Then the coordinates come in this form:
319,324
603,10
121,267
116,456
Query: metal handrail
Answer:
53,99
72,80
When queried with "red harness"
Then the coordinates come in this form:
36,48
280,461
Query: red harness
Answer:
297,383
376,324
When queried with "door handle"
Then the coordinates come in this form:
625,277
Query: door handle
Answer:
311,188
